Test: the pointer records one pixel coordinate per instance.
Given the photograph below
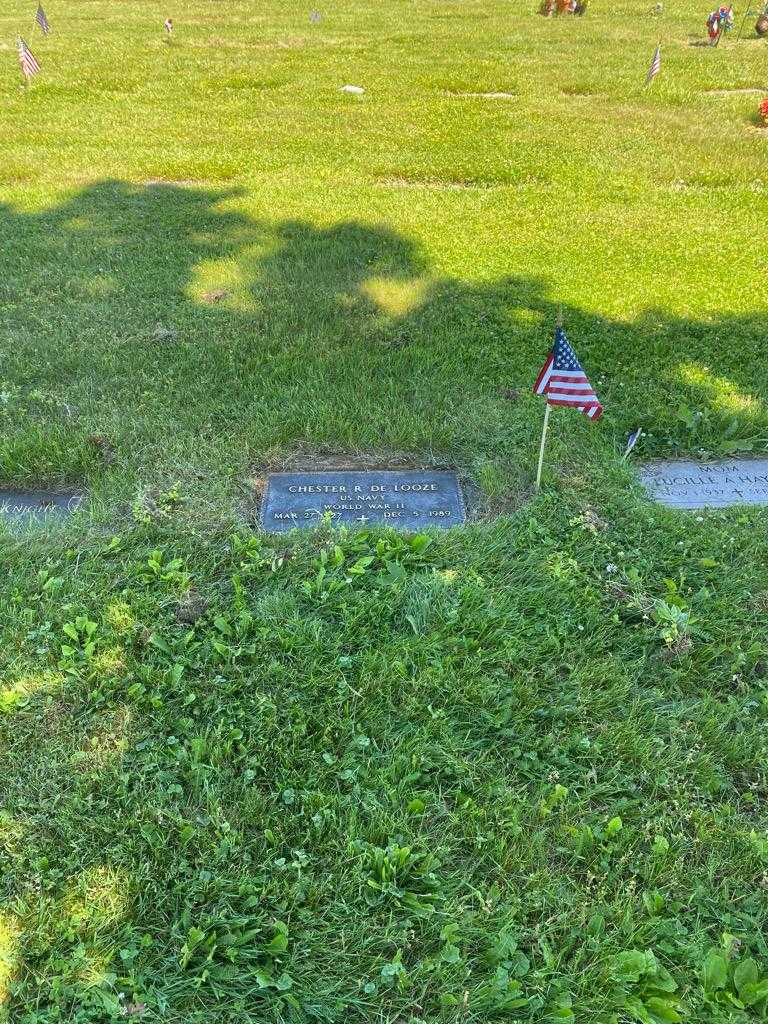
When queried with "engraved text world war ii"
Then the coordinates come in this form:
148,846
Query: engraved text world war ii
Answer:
407,499
683,484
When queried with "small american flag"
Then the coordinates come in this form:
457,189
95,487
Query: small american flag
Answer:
168,25
655,67
564,382
29,65
42,21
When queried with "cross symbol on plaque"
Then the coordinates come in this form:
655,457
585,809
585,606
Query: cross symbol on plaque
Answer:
362,519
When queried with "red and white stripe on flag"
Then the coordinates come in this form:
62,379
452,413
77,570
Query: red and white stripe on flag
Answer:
564,382
29,65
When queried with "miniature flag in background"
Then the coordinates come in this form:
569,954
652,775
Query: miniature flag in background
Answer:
42,21
564,382
655,67
632,440
29,65
168,25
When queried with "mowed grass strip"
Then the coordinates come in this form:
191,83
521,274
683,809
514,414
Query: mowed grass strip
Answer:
513,772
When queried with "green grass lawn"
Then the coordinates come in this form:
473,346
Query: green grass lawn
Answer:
511,772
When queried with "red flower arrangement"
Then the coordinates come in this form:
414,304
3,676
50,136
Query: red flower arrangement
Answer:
763,108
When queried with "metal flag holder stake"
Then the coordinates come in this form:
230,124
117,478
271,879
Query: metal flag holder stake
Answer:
743,21
750,12
632,440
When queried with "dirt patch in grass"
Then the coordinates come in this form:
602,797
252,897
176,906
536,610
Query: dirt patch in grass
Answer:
576,92
735,92
56,718
325,459
435,184
483,95
176,183
459,15
697,187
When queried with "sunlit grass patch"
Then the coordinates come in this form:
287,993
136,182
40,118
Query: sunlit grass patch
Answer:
725,395
396,298
95,902
24,687
10,956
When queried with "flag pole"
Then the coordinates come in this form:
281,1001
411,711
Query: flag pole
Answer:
743,21
546,418
543,443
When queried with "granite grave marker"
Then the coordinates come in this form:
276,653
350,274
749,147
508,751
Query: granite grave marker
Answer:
687,484
407,499
31,505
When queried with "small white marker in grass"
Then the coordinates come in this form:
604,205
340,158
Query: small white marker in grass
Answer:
315,17
355,90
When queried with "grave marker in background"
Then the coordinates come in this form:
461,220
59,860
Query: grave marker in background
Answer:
688,484
23,505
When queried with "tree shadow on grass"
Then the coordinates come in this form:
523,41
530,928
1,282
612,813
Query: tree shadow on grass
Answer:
337,335
190,335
